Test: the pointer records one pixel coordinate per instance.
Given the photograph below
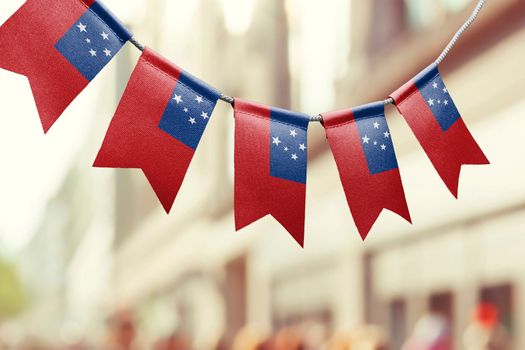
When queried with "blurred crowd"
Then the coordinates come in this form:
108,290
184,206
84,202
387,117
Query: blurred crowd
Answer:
431,332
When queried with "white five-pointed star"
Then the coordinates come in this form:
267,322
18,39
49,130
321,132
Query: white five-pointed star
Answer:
82,27
430,102
199,99
107,52
192,121
286,149
435,85
387,134
294,156
383,147
105,36
93,53
178,99
302,147
276,141
293,133
445,90
88,40
376,125
205,115
186,110
446,102
366,139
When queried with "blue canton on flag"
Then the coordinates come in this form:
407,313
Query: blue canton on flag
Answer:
375,138
189,110
435,93
93,40
288,148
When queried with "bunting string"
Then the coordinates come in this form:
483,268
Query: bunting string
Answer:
160,132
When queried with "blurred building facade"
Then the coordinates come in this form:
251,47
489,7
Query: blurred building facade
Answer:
190,271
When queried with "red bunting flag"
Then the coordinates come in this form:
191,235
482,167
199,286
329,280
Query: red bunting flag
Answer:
426,104
270,166
60,45
364,152
158,124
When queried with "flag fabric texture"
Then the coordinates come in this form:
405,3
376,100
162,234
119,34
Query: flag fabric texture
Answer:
270,166
430,112
158,124
60,45
364,152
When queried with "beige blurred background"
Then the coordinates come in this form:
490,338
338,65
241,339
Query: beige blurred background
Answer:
89,260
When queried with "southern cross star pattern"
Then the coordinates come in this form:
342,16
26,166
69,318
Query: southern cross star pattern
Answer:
376,141
288,152
90,43
438,100
189,110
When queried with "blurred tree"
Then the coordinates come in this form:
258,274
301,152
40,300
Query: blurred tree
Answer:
12,297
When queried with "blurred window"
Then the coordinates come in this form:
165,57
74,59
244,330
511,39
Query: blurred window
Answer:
398,315
425,13
501,297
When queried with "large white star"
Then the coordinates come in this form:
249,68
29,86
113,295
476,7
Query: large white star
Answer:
366,139
302,147
430,102
177,98
446,102
376,125
105,36
199,99
387,134
192,121
383,147
205,115
107,52
294,156
293,133
276,141
88,40
82,27
435,85
93,53
186,110
445,90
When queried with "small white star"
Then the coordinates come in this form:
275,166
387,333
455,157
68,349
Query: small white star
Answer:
105,36
445,90
192,121
177,98
107,52
366,139
294,156
93,53
430,102
276,141
82,27
446,102
205,115
376,125
387,134
375,143
383,147
286,149
293,133
435,85
199,99
439,102
302,147
88,40
186,110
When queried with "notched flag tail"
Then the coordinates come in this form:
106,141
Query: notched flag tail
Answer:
158,124
270,166
426,105
364,152
60,45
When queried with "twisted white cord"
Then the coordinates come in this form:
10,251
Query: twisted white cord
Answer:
461,30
